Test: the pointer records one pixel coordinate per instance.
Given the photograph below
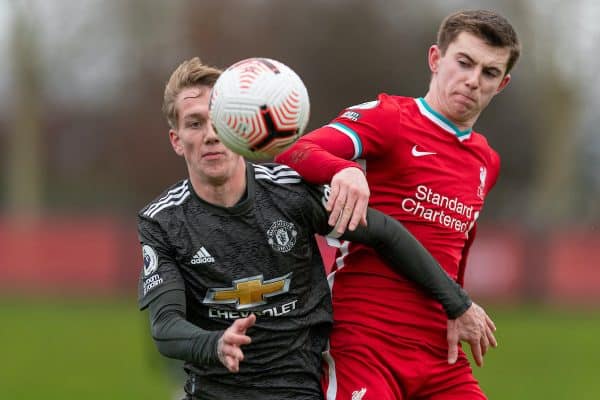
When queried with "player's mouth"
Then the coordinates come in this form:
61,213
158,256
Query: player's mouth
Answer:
465,98
212,155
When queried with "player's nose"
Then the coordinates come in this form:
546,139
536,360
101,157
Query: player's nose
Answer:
211,135
473,78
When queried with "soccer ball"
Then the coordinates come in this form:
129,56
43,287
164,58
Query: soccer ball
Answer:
259,107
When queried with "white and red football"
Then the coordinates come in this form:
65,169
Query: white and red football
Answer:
259,107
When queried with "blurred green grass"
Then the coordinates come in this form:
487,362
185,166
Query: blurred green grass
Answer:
102,350
78,350
543,353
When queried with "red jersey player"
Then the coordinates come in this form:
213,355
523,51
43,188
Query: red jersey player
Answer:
427,168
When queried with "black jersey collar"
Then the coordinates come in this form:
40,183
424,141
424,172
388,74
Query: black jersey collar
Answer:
242,206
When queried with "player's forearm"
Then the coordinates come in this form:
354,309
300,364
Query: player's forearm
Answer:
313,162
409,258
175,337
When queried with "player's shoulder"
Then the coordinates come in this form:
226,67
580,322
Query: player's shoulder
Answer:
383,102
395,101
172,197
280,181
286,187
480,141
275,174
383,107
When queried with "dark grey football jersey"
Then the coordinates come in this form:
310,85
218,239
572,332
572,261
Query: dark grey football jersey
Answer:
260,257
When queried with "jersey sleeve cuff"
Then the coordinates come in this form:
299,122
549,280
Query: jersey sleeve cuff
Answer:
459,309
145,300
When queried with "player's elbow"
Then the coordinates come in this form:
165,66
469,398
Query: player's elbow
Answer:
164,348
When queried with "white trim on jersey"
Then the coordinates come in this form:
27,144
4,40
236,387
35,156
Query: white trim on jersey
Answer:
167,197
331,392
339,261
441,121
279,174
174,197
274,168
352,135
344,251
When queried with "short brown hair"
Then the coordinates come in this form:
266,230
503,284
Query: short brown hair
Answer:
490,26
190,73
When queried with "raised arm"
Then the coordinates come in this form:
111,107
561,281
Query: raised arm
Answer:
332,152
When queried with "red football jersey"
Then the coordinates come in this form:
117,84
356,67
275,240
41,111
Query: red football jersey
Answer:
426,173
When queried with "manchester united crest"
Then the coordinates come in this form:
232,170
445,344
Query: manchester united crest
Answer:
282,236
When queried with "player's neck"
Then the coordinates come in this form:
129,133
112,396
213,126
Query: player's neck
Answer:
225,193
438,106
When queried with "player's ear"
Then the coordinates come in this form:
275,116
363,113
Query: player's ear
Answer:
433,57
176,142
504,83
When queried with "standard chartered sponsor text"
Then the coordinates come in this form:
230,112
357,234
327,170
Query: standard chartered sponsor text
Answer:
424,197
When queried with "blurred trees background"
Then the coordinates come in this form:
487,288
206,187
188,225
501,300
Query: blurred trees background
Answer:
80,122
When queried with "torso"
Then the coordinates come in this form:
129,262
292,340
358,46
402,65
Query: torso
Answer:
259,256
435,184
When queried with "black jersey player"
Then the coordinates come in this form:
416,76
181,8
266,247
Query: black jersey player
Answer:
232,274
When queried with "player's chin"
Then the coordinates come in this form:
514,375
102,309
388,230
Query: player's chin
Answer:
216,176
464,110
463,105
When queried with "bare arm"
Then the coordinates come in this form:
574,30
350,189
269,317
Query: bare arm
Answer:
349,200
476,328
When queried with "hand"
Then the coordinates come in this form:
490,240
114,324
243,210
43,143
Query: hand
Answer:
475,327
228,347
348,200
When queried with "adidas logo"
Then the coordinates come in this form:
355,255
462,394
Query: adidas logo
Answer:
202,257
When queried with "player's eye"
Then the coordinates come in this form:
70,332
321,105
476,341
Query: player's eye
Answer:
194,124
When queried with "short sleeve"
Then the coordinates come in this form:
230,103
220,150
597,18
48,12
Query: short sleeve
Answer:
366,124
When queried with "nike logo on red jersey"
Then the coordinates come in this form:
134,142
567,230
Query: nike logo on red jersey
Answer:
416,153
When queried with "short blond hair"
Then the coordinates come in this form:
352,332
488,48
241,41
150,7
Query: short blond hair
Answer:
190,73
